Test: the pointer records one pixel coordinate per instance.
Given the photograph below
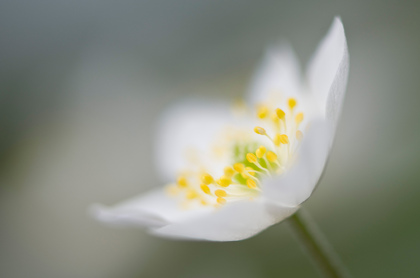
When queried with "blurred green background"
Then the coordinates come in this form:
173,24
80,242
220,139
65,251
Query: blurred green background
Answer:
82,83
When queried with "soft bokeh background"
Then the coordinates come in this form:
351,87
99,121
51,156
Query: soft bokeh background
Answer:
82,84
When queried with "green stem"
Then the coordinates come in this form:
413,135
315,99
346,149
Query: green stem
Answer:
316,246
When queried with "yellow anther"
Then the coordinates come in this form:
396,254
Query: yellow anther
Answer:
224,181
203,202
207,179
280,113
182,181
221,200
205,188
251,157
299,118
260,130
271,156
262,112
299,135
220,193
260,151
239,167
292,103
229,171
284,139
275,119
248,169
276,139
251,183
191,194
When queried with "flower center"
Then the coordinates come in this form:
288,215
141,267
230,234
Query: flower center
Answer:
252,160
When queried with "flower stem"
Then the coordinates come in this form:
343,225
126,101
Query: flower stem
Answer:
316,246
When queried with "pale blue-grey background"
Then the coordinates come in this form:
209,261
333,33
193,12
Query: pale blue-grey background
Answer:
82,84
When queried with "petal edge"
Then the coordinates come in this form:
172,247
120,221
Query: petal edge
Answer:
328,71
233,222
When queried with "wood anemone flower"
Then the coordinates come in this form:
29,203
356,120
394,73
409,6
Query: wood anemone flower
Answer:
235,174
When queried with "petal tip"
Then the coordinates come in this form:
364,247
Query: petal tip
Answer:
328,68
337,31
125,217
102,214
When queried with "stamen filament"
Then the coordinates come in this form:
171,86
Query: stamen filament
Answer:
268,164
262,168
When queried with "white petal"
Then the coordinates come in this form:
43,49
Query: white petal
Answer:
153,209
186,132
277,77
126,217
234,221
297,184
328,71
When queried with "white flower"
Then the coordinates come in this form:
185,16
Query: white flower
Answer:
237,175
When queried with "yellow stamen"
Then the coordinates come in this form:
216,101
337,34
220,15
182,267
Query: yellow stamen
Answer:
248,172
262,112
271,156
260,151
205,189
220,193
191,194
280,113
182,181
251,157
224,181
248,169
229,171
299,118
275,119
284,139
239,167
221,200
299,135
276,139
292,103
259,130
251,183
207,179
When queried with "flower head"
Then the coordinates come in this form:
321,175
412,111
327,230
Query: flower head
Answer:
234,174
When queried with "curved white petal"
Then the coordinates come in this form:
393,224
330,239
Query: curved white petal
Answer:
277,77
298,182
125,217
186,132
234,221
164,217
153,209
328,71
